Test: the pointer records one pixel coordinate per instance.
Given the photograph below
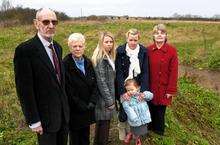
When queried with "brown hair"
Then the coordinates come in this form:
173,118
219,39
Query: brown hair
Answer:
160,27
131,81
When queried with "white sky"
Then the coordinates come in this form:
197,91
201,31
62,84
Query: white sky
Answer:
205,8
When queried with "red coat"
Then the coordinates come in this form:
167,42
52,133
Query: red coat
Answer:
163,73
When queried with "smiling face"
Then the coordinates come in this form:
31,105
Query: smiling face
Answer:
132,41
160,36
77,48
108,44
45,23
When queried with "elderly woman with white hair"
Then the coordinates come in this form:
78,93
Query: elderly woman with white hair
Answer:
81,89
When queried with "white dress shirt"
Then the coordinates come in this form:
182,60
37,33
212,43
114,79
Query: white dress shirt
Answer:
46,44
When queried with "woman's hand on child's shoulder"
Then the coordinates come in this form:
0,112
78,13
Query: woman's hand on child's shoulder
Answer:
141,96
126,96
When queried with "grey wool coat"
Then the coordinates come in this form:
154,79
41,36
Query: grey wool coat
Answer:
105,76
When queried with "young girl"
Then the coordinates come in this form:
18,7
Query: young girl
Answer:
136,108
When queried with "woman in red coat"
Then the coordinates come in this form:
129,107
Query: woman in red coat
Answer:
163,76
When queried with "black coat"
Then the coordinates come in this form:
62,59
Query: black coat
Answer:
122,64
81,90
41,96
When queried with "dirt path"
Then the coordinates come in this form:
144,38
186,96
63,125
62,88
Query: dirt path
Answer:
205,78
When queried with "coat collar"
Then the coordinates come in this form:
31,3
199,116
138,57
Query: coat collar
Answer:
141,53
73,68
44,57
163,48
122,48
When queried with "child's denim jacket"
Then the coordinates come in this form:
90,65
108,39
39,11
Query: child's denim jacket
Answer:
137,111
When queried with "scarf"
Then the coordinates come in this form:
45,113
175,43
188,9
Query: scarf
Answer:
134,68
80,64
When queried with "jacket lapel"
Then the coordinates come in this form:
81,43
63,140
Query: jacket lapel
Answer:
44,56
141,55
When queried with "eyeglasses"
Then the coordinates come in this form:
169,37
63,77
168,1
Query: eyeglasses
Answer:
47,22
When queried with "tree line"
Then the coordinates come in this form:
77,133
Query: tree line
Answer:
11,16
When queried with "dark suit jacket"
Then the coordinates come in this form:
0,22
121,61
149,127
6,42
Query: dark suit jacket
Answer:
41,96
122,64
81,90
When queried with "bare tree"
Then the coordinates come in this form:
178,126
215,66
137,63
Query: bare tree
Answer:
6,4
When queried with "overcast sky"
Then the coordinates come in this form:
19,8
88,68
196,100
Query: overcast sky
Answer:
76,8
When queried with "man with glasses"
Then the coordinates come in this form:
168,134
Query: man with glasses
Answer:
39,78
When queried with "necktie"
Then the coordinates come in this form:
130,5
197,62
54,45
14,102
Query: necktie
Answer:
56,62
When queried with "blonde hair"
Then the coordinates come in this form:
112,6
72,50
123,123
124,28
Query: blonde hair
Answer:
76,37
133,31
99,53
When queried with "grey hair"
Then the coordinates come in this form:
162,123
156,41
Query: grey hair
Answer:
76,37
42,9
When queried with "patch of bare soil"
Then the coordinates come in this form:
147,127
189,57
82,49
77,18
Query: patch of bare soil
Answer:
205,78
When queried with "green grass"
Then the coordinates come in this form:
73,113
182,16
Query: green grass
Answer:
194,116
198,43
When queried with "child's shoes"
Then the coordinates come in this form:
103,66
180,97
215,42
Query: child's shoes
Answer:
138,141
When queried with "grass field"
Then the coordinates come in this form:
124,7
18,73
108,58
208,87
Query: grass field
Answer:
194,117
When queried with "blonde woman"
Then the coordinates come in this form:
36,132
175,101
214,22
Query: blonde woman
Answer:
103,61
131,63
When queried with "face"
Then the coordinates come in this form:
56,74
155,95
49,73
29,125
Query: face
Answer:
131,88
160,36
77,48
46,24
108,44
132,41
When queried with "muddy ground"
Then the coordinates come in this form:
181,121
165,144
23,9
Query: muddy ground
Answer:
204,78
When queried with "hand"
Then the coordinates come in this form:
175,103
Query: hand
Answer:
141,97
126,96
91,106
130,93
169,95
111,107
38,130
